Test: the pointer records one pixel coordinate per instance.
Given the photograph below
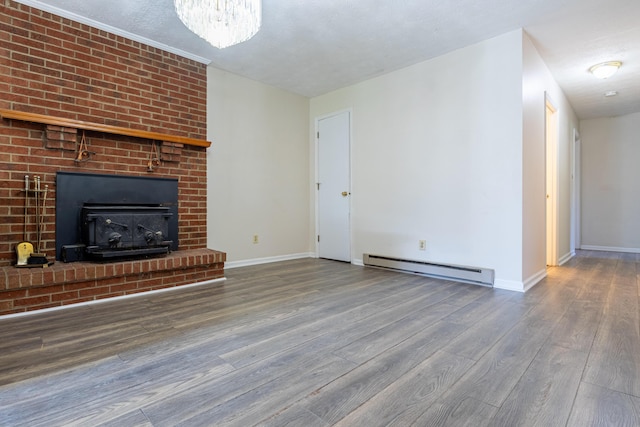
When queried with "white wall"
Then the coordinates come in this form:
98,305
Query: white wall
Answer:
437,155
450,150
610,177
257,170
536,81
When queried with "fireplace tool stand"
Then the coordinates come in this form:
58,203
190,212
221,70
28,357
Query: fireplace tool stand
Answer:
25,250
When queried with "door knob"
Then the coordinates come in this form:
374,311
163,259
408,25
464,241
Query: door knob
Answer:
345,194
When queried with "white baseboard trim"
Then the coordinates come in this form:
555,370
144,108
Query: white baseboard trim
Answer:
121,297
564,259
509,285
513,285
357,262
256,261
610,249
534,279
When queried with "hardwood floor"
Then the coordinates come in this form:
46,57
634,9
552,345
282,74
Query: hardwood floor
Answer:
322,343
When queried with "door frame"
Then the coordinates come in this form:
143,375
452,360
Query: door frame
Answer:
551,132
576,172
317,177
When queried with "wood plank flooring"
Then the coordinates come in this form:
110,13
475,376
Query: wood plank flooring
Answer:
321,343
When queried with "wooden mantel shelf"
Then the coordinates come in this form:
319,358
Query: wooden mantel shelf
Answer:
116,130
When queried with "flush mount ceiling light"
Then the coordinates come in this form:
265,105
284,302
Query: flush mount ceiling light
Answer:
606,69
222,23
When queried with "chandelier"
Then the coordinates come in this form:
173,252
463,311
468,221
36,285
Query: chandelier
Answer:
222,23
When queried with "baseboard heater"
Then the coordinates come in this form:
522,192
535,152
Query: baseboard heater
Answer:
478,276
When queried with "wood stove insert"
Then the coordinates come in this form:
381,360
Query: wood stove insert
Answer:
125,231
104,217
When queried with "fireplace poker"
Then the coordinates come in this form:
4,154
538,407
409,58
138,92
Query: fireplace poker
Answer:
26,205
37,186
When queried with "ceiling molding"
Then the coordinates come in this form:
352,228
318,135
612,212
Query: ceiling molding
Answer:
113,30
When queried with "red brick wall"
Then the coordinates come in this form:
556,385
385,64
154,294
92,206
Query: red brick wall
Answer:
51,65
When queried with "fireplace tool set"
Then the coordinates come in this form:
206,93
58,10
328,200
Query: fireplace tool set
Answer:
28,256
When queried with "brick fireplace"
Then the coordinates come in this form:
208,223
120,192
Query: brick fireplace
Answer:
51,66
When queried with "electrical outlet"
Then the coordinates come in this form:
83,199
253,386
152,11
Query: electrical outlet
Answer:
255,238
422,245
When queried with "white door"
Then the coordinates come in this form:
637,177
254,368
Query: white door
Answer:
333,187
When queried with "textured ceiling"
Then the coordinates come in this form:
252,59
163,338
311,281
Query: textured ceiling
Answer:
312,47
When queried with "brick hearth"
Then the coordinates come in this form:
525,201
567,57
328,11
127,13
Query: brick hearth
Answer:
62,284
